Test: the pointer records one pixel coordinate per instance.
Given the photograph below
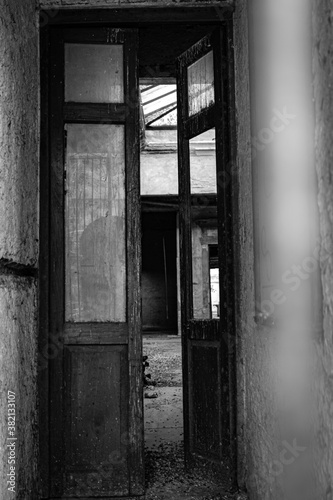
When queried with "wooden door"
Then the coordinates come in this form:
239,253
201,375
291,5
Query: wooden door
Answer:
95,444
205,225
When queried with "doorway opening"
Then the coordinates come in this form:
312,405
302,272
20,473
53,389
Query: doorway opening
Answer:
166,473
91,184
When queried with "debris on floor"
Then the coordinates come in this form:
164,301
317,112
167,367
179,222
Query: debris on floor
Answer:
149,394
147,380
148,383
165,364
168,479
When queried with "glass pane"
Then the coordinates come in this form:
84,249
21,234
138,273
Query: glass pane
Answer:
203,163
94,73
95,223
200,77
204,226
214,281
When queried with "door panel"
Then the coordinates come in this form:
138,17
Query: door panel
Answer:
205,222
95,390
96,420
206,397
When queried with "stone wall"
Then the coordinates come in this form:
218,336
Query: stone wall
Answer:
19,124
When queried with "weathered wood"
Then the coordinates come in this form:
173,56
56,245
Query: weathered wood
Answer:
204,329
92,112
200,123
185,242
91,35
96,420
205,401
56,311
96,372
44,240
96,333
224,210
135,401
104,498
203,337
153,15
226,146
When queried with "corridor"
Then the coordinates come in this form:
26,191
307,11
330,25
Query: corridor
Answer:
166,475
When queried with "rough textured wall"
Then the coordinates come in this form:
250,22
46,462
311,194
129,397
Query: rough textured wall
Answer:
18,374
273,417
109,3
323,77
241,177
19,236
18,131
256,345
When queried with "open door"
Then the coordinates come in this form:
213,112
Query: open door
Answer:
205,247
93,347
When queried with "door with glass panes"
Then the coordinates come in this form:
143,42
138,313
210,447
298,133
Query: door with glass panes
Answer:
204,129
95,445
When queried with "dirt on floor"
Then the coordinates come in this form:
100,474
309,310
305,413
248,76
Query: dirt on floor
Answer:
167,478
165,361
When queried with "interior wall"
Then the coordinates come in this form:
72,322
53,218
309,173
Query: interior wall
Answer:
18,243
323,73
159,273
271,367
19,127
239,172
109,3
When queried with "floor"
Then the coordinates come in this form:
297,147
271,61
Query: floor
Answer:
164,414
166,475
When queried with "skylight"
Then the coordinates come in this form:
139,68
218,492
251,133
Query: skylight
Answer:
159,103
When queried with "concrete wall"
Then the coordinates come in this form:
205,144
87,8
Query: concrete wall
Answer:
159,163
273,370
259,435
323,74
201,239
19,97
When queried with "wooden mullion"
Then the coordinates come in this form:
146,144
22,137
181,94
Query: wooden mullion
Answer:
198,50
92,35
227,66
92,112
225,209
44,239
205,330
57,263
185,244
133,216
222,214
96,333
129,16
200,122
140,497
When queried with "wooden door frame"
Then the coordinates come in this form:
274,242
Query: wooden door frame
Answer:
124,16
52,102
191,126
